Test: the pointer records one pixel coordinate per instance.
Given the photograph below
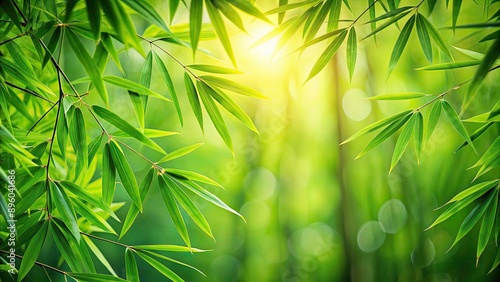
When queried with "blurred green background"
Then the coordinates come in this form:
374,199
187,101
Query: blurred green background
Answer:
313,212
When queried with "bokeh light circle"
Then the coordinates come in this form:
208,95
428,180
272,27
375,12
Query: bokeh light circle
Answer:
371,236
355,105
393,215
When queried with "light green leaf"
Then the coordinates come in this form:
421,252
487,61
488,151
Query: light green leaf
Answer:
180,152
248,8
386,24
327,55
120,123
319,19
450,65
419,135
287,7
170,248
219,82
220,29
195,20
423,36
474,191
131,266
487,226
78,137
166,187
32,251
161,268
214,114
436,36
193,99
97,252
92,217
352,49
148,12
456,11
133,86
476,135
191,175
433,120
403,140
108,44
170,86
148,132
390,14
214,69
401,43
94,146
65,209
126,174
108,176
88,64
399,96
455,121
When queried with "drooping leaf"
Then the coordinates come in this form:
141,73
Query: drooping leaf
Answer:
352,49
423,36
94,146
220,29
97,252
195,20
89,215
487,225
78,137
456,122
108,176
94,277
386,24
65,209
193,99
161,268
33,250
436,36
131,266
476,134
214,69
456,11
94,16
403,140
231,85
401,43
147,12
126,174
327,55
419,134
180,152
287,7
133,86
170,86
433,120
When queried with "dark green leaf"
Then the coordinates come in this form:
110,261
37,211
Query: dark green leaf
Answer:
195,19
456,122
94,16
403,140
131,266
94,277
419,134
193,99
433,120
401,43
170,86
352,49
32,251
65,208
423,36
487,225
108,176
78,136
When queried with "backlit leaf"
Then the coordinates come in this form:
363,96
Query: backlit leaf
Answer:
108,176
456,122
131,266
327,55
403,140
401,43
351,51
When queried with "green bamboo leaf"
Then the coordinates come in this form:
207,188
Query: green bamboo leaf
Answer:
281,15
71,256
180,152
436,36
65,208
352,49
319,20
287,7
474,217
419,135
333,17
230,14
88,64
456,11
108,176
384,134
166,187
99,255
94,146
92,217
126,174
10,10
148,132
476,135
273,33
191,175
94,16
133,86
482,118
153,254
94,277
474,191
161,268
133,210
495,111
248,8
433,120
131,266
430,5
219,82
78,137
195,19
170,86
193,99
386,24
51,46
423,36
214,69
492,150
376,125
450,65
390,14
30,196
147,12
85,195
17,54
120,123
403,140
214,114
496,263
33,251
401,43
398,96
229,105
170,248
312,15
455,121
191,209
487,226
203,193
327,55
291,31
492,160
108,44
481,72
62,132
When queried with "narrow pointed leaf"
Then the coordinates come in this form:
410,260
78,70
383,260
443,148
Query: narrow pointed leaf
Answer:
423,36
398,96
180,152
233,86
94,16
94,277
401,43
161,268
476,134
65,209
403,140
433,119
487,225
220,29
131,266
108,176
451,65
32,251
456,122
386,24
195,19
352,49
133,86
170,86
436,36
193,99
214,69
78,136
327,55
419,134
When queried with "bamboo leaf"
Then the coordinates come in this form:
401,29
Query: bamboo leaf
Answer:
180,152
148,12
423,36
33,251
133,86
78,137
65,209
108,44
401,43
219,82
191,175
287,7
492,150
386,24
126,174
495,111
131,266
148,132
351,51
419,135
327,55
161,268
384,134
195,19
170,248
398,96
88,64
436,36
94,146
62,132
108,176
376,125
450,65
390,14
433,119
166,187
193,99
220,29
248,8
94,277
214,114
455,121
92,217
476,135
474,191
319,19
487,226
214,69
170,86
94,16
403,140
99,255
456,11
230,14
120,123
